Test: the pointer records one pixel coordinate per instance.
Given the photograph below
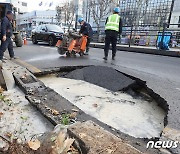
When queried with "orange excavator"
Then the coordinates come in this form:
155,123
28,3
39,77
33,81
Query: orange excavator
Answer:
72,44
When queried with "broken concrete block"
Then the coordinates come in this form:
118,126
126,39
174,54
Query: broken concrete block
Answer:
94,139
2,80
1,64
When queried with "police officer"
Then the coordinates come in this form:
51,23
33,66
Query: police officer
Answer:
6,35
113,27
86,29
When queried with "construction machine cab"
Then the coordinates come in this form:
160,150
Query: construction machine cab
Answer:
4,7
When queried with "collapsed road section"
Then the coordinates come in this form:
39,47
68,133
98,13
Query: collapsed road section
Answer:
133,115
58,108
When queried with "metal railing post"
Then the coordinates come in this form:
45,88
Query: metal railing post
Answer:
130,36
161,44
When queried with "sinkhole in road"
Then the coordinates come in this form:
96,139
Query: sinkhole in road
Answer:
132,115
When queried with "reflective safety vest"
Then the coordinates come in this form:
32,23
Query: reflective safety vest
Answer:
113,22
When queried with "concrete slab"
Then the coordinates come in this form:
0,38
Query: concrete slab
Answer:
105,77
2,80
94,139
9,79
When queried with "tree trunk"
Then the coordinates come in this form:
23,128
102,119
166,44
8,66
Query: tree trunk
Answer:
98,32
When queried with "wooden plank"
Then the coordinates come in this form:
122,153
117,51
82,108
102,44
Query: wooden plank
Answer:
2,81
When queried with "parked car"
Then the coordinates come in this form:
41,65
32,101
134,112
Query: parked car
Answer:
47,33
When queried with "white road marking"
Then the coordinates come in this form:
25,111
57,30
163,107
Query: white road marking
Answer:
49,47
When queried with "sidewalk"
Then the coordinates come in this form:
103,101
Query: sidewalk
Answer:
173,52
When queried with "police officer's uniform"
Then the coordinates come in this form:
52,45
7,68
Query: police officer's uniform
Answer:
113,27
6,30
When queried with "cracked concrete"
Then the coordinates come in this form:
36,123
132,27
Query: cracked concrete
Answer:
32,87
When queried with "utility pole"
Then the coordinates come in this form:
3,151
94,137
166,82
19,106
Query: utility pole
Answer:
172,6
86,5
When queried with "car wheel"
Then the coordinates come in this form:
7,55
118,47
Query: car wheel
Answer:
18,40
51,41
34,40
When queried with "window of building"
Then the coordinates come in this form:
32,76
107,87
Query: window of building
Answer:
24,4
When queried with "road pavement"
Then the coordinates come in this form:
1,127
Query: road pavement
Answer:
44,57
161,73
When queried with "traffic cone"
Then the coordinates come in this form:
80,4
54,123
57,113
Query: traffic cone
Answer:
25,41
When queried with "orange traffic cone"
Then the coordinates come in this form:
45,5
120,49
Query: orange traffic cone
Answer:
25,41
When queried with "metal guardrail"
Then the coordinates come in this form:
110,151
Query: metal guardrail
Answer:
142,35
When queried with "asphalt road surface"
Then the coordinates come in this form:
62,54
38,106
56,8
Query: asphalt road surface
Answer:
161,73
43,57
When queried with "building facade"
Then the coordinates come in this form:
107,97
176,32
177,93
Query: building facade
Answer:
175,18
146,12
28,21
22,7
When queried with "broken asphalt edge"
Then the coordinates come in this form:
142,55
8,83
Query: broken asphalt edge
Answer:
139,143
161,101
141,50
103,141
139,83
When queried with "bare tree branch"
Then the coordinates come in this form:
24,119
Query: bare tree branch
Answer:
68,12
100,9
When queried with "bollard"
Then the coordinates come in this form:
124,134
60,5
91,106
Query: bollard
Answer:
25,41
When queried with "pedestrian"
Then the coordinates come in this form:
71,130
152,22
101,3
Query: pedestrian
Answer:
113,27
6,35
86,29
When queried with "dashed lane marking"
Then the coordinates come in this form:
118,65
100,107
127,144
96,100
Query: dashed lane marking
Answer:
49,47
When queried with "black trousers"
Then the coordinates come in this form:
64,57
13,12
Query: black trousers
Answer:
89,39
8,44
111,38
